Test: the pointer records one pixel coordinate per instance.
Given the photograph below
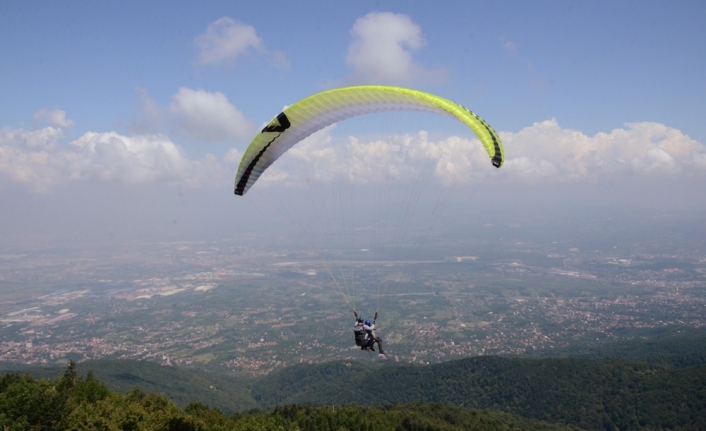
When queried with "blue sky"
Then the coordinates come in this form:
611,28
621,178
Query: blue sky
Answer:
572,86
591,65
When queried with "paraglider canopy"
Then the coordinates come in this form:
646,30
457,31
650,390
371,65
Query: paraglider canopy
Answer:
328,107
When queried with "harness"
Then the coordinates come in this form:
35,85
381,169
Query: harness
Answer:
360,335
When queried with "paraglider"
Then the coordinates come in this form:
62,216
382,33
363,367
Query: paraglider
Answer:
313,113
365,338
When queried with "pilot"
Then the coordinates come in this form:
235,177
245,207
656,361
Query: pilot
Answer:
365,337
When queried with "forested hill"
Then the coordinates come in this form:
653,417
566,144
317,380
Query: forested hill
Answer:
653,347
591,394
182,385
75,402
665,390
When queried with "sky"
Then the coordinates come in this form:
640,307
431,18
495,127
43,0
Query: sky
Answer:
127,120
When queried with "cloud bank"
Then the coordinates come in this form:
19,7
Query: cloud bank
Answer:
545,151
40,160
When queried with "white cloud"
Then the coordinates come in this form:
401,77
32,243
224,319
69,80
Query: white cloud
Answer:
699,158
381,51
113,157
197,114
27,157
655,160
227,39
314,158
545,150
399,158
205,116
55,117
38,160
528,168
233,157
542,152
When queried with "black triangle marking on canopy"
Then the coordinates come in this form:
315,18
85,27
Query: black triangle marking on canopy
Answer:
283,125
240,187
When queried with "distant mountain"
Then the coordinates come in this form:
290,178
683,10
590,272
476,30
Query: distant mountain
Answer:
182,385
673,351
590,394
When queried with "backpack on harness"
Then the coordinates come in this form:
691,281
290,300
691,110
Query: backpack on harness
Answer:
360,336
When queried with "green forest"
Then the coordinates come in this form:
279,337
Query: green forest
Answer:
73,402
591,394
661,387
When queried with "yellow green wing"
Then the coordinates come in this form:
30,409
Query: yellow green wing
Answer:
328,107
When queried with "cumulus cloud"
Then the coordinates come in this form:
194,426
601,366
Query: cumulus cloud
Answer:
233,157
546,151
113,157
40,160
55,117
27,157
382,47
197,114
700,160
206,116
398,158
227,39
655,160
543,152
